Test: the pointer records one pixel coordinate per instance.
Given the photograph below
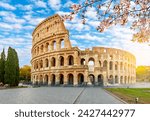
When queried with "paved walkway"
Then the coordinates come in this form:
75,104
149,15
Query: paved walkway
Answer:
57,95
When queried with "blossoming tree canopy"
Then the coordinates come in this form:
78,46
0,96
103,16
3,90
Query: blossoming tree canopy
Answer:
112,12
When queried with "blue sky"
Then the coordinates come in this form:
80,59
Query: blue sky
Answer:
18,18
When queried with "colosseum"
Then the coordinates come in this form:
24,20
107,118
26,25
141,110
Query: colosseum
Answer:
56,62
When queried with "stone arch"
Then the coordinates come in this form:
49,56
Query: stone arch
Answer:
41,63
47,47
121,66
92,79
80,78
53,62
70,79
128,79
110,65
116,65
100,79
110,79
61,61
116,79
46,80
37,65
61,79
82,61
46,63
91,62
125,79
41,49
105,64
37,50
53,79
54,45
121,80
36,80
62,43
70,60
100,63
41,80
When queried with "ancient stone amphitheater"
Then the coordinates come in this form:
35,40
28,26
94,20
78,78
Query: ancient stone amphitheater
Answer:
56,62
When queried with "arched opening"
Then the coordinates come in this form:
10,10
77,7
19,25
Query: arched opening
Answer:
121,80
82,61
61,77
41,80
36,81
116,66
41,49
41,63
70,79
54,45
37,50
46,79
92,79
100,63
47,47
128,79
62,44
80,79
111,57
121,66
91,64
116,79
61,60
110,65
105,65
37,65
125,79
110,79
100,79
70,60
46,63
53,79
53,62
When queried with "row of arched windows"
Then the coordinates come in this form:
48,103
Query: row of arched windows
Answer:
111,64
47,47
52,61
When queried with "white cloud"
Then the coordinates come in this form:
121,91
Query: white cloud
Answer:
91,13
25,7
7,6
11,17
74,42
40,4
8,27
55,4
88,37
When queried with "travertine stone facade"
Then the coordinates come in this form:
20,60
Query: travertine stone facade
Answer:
56,62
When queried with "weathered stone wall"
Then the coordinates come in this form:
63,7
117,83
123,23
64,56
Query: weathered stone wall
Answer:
55,61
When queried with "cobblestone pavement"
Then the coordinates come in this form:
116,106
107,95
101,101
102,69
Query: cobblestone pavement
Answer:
57,95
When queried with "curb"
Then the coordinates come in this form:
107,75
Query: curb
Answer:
115,96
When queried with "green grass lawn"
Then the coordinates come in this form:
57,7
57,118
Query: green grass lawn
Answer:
129,94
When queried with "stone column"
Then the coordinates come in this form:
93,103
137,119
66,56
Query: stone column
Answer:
75,78
65,78
57,79
49,79
75,57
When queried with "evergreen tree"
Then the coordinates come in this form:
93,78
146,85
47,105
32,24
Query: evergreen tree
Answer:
2,66
12,68
16,67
